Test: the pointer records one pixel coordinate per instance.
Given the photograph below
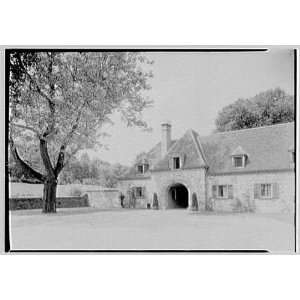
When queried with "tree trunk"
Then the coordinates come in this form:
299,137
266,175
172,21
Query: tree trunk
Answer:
49,196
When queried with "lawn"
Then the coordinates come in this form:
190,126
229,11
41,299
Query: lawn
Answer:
87,228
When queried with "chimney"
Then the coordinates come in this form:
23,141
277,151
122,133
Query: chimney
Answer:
165,138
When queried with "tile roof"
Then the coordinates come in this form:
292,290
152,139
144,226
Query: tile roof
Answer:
267,149
188,148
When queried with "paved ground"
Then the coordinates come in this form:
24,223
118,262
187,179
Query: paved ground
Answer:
148,229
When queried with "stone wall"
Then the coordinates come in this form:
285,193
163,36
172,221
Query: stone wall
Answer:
104,198
125,185
37,202
243,186
192,179
160,182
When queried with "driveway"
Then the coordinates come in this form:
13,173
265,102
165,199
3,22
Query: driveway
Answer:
179,229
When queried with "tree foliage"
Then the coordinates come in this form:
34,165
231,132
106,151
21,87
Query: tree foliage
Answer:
267,108
62,99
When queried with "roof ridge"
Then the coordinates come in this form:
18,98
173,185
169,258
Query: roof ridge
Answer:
253,128
198,146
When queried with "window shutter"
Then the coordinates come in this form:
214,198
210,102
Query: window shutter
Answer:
275,190
256,191
134,194
230,191
182,160
170,163
143,191
214,191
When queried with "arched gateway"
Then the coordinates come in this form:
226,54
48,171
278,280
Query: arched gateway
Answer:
178,196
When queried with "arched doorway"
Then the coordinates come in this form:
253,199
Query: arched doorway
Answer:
178,196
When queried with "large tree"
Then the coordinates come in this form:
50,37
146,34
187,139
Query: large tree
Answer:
266,108
62,99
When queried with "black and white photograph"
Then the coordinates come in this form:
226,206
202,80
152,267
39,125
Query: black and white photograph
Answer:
151,149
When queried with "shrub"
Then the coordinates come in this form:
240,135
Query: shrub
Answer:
155,201
194,202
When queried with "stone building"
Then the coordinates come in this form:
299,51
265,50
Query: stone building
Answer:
249,169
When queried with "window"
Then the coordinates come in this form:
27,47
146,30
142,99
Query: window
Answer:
139,192
222,191
266,190
146,167
238,161
176,162
142,168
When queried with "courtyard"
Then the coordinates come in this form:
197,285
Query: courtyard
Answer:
176,229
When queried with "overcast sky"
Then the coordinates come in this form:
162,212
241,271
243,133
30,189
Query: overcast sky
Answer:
189,89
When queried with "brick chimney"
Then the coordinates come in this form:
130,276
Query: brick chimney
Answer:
165,137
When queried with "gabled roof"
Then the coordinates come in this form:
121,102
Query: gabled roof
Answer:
267,148
187,147
152,157
239,151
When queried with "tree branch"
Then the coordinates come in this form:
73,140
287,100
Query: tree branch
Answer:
51,103
25,167
26,127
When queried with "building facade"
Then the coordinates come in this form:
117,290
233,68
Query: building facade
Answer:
242,170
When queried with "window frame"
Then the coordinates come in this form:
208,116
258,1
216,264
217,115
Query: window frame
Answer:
225,191
139,188
142,169
234,157
271,191
173,162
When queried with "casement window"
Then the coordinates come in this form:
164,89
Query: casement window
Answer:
222,191
139,192
239,161
266,191
176,162
142,168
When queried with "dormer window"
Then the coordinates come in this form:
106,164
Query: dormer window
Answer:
239,157
238,161
142,168
176,162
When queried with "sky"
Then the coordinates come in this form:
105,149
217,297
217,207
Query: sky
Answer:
188,90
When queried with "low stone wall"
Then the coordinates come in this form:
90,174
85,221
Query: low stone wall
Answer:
37,203
104,198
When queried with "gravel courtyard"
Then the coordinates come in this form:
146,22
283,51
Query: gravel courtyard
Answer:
87,228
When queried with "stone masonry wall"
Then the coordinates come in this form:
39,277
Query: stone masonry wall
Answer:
193,180
124,185
243,184
104,199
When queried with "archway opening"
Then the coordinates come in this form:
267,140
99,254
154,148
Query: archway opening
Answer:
178,196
